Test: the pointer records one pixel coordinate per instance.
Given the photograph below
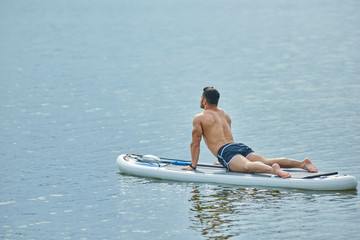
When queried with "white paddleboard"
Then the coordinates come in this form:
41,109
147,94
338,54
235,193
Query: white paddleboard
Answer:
137,165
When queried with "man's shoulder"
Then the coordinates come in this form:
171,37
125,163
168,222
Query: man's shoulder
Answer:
199,116
223,112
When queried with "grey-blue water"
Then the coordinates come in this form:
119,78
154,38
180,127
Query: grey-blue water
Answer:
84,81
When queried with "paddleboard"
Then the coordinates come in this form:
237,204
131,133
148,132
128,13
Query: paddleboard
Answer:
155,167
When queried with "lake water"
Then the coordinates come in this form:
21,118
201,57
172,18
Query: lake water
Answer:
84,81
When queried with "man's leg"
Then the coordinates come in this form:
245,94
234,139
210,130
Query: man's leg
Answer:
242,164
284,162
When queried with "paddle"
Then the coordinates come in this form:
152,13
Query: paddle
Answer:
155,159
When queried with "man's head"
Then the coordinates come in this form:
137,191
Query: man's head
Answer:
211,95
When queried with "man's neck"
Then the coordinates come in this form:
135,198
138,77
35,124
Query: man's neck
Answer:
210,107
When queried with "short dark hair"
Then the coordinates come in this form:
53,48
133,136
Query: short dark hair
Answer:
211,95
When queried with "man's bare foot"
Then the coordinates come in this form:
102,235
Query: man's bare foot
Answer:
216,163
278,171
309,166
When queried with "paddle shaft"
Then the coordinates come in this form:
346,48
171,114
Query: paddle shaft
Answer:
184,162
173,159
188,164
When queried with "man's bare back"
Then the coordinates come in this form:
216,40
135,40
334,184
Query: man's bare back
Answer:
214,125
216,128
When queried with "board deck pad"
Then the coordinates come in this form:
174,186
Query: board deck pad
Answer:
306,174
302,174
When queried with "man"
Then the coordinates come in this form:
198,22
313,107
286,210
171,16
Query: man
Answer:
214,125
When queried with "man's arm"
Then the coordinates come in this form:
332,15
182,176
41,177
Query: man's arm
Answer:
195,143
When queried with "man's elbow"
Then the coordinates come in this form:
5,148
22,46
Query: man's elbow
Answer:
194,144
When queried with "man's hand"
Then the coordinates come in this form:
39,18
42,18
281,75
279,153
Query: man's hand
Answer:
188,168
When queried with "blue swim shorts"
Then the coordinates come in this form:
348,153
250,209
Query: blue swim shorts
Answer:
227,152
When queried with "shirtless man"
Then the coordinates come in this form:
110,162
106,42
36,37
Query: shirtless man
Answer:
215,125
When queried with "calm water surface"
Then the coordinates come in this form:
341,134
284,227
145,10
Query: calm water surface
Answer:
84,81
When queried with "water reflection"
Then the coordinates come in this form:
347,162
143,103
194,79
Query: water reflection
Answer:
223,212
217,209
